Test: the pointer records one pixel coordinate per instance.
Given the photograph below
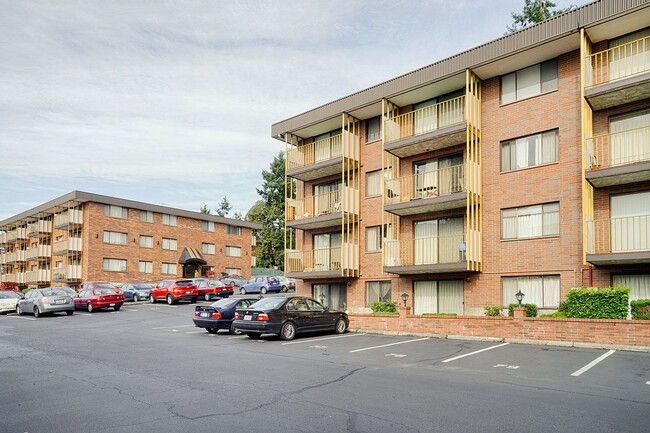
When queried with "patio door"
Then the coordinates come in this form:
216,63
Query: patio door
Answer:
630,223
444,296
425,244
327,251
629,138
326,197
426,178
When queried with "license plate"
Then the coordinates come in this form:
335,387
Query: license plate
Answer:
204,314
188,292
59,301
111,305
248,317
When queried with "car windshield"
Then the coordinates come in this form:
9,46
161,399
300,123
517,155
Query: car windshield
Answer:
225,303
268,303
184,283
142,286
215,284
9,295
104,292
105,286
54,292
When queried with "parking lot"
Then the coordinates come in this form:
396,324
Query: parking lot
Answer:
147,368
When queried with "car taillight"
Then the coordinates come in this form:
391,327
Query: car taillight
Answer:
101,298
236,315
263,316
216,315
196,314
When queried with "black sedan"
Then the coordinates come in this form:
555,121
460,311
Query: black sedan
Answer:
220,314
287,316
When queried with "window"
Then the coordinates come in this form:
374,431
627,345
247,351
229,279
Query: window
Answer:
233,251
543,291
439,176
116,211
115,238
530,151
168,269
445,296
639,285
114,265
628,139
145,267
374,239
207,226
169,220
169,244
233,230
373,183
334,295
530,221
207,248
629,54
630,222
377,291
233,271
528,82
327,251
373,129
146,241
146,216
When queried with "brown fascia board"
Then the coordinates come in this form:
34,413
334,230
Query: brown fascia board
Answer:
528,38
83,197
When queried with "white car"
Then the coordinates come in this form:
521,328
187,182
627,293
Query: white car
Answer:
8,301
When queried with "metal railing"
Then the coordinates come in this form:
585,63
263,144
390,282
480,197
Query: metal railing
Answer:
318,151
425,251
618,235
315,205
619,148
618,62
321,259
427,119
435,183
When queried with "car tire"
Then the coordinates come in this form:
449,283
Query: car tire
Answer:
69,312
206,296
117,307
170,300
232,283
37,312
340,327
233,330
211,330
263,290
193,300
254,335
18,310
135,298
288,331
285,289
89,307
242,291
152,299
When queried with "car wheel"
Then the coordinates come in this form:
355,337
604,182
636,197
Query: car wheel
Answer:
254,335
193,300
135,298
233,330
117,307
37,312
232,283
206,296
69,312
212,330
285,289
263,290
90,308
18,310
170,300
288,331
242,291
152,299
340,326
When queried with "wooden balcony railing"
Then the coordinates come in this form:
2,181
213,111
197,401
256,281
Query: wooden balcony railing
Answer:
39,251
620,148
440,182
618,235
322,259
312,206
69,244
618,62
69,217
318,151
38,275
427,119
425,251
41,226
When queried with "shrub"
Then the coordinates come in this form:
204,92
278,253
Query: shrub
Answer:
384,307
562,306
531,309
439,314
640,309
561,314
594,303
493,310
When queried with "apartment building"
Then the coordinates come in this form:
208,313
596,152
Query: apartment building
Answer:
519,165
84,237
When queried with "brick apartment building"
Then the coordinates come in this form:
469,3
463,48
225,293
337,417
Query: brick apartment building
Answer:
84,237
521,164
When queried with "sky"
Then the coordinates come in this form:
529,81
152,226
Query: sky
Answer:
172,102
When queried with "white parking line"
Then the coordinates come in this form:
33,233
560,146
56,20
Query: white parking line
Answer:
387,345
475,352
592,363
238,336
648,382
171,327
20,317
195,332
321,339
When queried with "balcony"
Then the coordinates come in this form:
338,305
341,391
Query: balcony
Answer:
430,255
430,128
315,160
428,192
3,238
322,263
3,258
17,256
67,273
16,234
619,241
618,75
315,212
40,226
63,247
619,158
68,219
38,276
41,251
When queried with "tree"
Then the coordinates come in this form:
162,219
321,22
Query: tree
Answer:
238,216
224,207
205,210
535,11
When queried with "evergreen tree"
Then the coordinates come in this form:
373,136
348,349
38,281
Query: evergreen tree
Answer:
224,207
204,210
535,11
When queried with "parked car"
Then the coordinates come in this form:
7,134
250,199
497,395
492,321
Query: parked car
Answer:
69,290
8,301
287,316
136,291
213,289
46,300
261,284
97,285
287,283
173,291
220,315
233,280
95,299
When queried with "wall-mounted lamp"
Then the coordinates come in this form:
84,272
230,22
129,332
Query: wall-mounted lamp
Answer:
96,235
468,279
157,242
520,297
322,298
133,240
405,297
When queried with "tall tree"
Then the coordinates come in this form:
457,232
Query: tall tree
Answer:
224,207
205,210
535,11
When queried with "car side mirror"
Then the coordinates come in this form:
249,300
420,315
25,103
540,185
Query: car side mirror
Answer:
325,309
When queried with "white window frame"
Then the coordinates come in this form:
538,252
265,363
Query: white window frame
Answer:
116,238
146,241
114,265
146,216
547,217
169,244
233,251
116,211
549,286
169,220
145,267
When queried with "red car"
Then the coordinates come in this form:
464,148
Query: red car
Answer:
213,289
102,296
173,291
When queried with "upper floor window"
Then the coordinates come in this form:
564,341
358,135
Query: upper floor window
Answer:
146,241
114,265
233,230
146,216
233,251
169,220
374,237
373,183
207,248
373,129
115,238
169,244
530,151
531,81
116,211
530,221
168,269
207,226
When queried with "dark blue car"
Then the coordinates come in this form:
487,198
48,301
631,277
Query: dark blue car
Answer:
136,291
220,314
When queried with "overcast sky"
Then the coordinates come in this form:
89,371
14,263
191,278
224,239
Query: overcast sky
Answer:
171,102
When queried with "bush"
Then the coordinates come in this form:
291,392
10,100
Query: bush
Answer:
439,314
531,309
384,307
493,310
562,307
593,303
640,309
560,314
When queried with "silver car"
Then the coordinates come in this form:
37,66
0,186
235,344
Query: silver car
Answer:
46,300
8,301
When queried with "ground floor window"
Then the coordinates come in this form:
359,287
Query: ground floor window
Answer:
639,285
377,291
168,269
543,291
334,296
233,271
438,296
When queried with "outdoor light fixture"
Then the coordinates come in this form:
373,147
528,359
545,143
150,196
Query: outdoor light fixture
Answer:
405,297
519,296
322,298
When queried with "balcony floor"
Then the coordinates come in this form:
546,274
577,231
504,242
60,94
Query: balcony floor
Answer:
614,259
316,275
318,170
428,205
434,140
619,175
619,92
318,222
439,268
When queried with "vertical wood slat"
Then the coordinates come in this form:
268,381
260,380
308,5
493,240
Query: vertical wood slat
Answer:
473,171
390,170
586,122
350,180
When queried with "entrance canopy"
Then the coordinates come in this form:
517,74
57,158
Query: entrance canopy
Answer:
191,256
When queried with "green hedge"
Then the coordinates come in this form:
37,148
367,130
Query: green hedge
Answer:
597,303
531,309
384,307
640,309
560,314
493,310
